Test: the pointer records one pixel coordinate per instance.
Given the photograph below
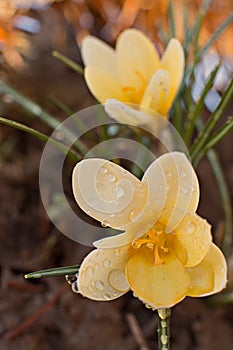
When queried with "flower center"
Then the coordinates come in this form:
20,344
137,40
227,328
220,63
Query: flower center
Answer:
135,93
157,239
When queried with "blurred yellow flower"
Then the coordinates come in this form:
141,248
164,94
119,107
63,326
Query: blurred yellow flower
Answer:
166,251
133,72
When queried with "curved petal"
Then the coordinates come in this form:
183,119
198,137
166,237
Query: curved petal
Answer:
101,275
194,233
173,61
157,92
182,188
107,192
103,85
126,114
137,59
215,262
99,55
158,286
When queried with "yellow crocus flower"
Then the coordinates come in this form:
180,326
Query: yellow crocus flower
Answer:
165,252
133,72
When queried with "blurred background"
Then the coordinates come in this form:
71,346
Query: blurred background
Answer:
45,314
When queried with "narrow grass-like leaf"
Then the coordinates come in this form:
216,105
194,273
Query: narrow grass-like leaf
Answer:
171,19
68,62
216,138
71,153
223,191
228,21
204,134
54,272
37,111
195,113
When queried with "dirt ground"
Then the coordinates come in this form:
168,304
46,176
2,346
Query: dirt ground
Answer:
45,314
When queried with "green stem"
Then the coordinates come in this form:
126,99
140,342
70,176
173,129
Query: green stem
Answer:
163,329
68,62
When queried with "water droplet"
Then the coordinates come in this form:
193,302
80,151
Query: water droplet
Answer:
164,339
89,272
163,324
183,173
99,285
118,281
117,251
190,226
96,267
107,263
74,287
167,173
103,170
105,223
168,230
112,215
111,177
107,296
119,191
134,214
184,190
148,306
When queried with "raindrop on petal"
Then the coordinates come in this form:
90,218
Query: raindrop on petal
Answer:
111,177
99,285
107,263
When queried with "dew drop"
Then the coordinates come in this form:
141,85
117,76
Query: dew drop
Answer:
168,230
112,215
190,226
148,306
163,324
103,170
111,177
105,224
99,285
119,191
184,190
134,214
107,296
89,272
74,287
107,263
164,339
117,251
96,267
117,280
183,173
167,173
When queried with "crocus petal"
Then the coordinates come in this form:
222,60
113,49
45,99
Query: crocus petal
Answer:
216,262
107,192
173,61
182,186
103,85
128,114
137,58
158,286
97,54
194,233
101,275
157,92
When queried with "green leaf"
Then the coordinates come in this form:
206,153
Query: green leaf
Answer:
72,154
204,134
54,272
68,62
